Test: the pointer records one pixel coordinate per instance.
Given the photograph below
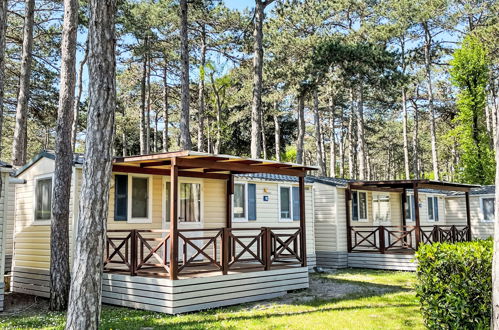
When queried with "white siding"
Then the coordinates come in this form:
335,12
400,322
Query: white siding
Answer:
456,215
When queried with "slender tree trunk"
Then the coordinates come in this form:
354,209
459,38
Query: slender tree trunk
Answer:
125,148
76,106
332,138
361,135
405,134
431,108
277,135
415,145
495,259
3,28
148,106
155,133
165,108
143,85
185,136
85,295
256,105
301,130
201,110
342,144
59,239
264,137
351,143
20,143
318,135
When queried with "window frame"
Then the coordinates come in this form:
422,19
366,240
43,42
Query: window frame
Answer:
433,197
290,187
246,204
412,208
482,214
130,218
358,206
374,207
35,182
166,181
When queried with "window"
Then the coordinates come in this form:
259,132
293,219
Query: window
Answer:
285,202
381,207
240,201
433,208
488,213
132,200
410,214
244,202
359,206
43,199
190,202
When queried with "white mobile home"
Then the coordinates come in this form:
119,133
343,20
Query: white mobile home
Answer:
235,237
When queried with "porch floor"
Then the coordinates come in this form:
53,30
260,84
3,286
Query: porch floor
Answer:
391,251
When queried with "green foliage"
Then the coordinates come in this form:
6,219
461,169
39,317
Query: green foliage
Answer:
470,73
455,284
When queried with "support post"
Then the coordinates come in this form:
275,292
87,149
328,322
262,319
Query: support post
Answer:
404,203
416,214
228,219
381,231
225,251
133,252
468,214
303,245
348,197
267,248
173,220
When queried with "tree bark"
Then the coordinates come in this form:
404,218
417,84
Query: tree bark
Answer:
277,134
85,294
143,84
264,137
3,28
185,136
342,144
77,101
148,106
301,129
256,105
415,144
361,140
201,110
318,136
431,108
332,138
59,238
351,143
20,143
165,108
405,128
495,259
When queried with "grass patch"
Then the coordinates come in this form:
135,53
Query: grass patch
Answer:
381,300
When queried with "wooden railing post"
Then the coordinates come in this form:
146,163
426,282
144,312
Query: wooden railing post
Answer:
381,230
267,248
225,251
133,252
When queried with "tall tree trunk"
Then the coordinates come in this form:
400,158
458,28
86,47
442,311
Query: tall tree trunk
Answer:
20,143
332,138
431,108
124,151
361,140
3,28
165,108
59,237
277,134
201,110
404,114
77,101
185,136
415,145
143,97
351,143
256,105
148,106
85,295
342,144
264,137
318,136
495,259
301,129
155,133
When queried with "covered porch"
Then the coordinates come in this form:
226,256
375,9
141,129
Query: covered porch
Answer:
399,236
250,262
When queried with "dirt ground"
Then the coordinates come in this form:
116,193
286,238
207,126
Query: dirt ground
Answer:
23,304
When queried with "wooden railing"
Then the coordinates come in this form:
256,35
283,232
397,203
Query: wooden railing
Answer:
403,239
147,252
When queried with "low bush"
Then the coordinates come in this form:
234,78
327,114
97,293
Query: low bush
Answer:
455,284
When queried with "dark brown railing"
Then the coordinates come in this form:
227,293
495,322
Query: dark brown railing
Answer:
403,239
147,252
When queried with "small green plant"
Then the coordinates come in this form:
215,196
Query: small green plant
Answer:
454,284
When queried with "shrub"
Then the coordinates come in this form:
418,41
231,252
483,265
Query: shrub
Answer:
455,284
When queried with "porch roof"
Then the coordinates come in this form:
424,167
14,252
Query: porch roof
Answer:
206,165
411,184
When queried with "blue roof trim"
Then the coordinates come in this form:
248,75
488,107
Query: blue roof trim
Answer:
336,182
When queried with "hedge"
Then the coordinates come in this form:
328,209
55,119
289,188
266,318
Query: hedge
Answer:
455,284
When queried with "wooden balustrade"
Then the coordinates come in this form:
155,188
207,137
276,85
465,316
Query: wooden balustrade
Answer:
403,239
147,252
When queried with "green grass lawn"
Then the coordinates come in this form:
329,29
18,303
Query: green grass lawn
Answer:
380,300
